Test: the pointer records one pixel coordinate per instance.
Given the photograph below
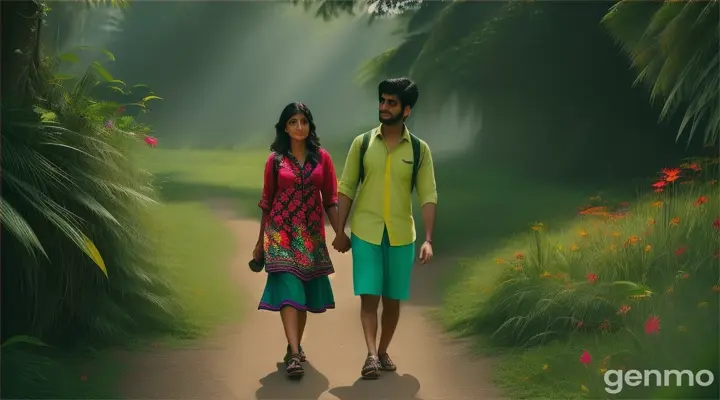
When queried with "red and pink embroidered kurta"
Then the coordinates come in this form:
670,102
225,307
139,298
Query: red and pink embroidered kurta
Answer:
294,239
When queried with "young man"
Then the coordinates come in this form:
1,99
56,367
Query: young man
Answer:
389,163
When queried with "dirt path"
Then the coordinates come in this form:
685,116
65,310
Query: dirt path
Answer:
244,362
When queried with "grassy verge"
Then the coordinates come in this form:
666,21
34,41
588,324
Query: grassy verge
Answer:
196,249
631,286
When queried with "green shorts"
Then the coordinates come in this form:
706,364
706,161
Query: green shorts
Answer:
382,270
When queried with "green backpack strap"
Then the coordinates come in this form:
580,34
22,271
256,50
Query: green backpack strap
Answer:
363,149
417,160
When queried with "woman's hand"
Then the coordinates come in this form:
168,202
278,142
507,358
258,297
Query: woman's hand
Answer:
258,252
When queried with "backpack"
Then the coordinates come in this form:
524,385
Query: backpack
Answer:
414,141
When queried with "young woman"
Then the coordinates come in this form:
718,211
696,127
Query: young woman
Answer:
300,184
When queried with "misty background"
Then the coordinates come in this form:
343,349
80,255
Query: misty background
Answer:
225,70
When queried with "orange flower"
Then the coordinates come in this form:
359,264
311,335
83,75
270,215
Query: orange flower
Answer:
652,325
685,276
648,248
605,325
623,310
593,211
632,240
657,203
700,201
591,278
582,233
652,221
574,247
671,175
694,166
585,357
499,261
519,255
675,221
680,251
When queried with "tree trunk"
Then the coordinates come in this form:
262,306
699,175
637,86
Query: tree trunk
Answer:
20,50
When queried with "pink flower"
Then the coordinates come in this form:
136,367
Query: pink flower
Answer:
151,141
652,325
585,357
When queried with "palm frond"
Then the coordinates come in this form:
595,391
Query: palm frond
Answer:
674,48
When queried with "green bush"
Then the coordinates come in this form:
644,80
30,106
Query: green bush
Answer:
644,276
73,199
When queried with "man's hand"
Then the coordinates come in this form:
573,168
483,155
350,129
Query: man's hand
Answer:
341,242
258,252
426,252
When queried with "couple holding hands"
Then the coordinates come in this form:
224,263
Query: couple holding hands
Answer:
300,187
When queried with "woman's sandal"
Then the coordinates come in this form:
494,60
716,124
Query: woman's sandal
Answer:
371,368
386,363
288,354
293,367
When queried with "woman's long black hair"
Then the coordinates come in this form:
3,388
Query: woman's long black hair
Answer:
281,145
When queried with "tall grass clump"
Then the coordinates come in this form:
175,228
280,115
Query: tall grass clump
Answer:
77,259
644,275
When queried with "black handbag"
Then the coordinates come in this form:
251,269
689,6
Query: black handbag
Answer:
256,266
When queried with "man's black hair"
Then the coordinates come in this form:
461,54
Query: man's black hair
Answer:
404,88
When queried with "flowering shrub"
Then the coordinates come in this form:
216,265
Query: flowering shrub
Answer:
646,275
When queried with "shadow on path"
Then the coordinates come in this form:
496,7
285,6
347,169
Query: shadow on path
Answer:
391,386
277,386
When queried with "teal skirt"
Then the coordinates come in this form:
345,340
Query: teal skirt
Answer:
285,289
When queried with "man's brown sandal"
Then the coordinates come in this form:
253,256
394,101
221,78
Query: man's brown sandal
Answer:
288,354
293,367
371,368
386,363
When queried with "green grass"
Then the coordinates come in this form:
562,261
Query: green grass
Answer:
52,374
534,299
197,250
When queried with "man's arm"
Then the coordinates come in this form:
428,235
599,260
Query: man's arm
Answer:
427,191
348,183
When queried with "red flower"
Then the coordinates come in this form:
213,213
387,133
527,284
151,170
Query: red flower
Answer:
579,324
680,251
652,325
716,223
694,167
700,201
591,278
659,185
623,310
309,245
585,357
284,239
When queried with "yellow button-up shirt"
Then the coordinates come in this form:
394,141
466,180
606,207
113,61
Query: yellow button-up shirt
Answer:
384,198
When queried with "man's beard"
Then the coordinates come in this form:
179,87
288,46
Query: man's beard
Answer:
391,120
